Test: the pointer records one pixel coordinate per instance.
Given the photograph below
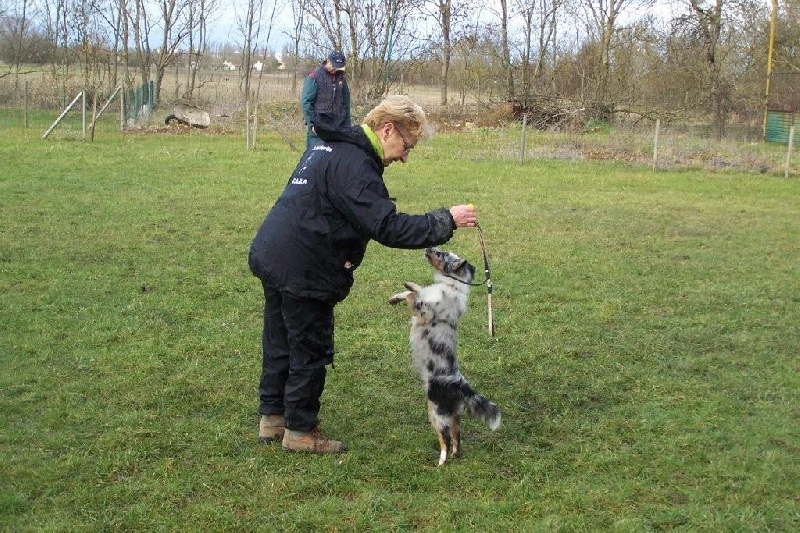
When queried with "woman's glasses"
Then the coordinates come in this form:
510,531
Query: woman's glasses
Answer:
407,146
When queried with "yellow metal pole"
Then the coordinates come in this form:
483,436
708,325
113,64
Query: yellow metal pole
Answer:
773,20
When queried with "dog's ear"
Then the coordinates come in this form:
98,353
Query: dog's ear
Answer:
453,266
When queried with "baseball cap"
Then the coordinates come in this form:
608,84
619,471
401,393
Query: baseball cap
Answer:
337,59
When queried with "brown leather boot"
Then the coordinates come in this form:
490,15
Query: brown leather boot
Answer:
313,441
271,428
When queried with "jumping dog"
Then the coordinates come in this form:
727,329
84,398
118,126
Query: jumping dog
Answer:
435,313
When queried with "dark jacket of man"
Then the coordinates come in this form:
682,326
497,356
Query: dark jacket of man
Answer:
326,93
335,202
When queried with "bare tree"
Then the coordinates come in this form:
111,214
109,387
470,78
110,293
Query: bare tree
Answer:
446,16
506,51
114,14
62,36
328,14
370,29
298,9
175,29
200,12
378,34
539,18
788,48
124,41
603,19
173,22
16,31
88,34
139,21
251,27
255,26
712,59
709,23
445,21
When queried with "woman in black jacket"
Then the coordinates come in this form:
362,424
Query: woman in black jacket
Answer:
310,243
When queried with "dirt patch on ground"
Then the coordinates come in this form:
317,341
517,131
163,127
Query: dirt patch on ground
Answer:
181,129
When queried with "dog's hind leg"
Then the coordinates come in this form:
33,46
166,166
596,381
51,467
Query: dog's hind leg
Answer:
455,435
442,431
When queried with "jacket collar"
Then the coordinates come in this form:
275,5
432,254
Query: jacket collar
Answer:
361,136
373,139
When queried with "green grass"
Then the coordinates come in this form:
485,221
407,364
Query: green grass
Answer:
645,357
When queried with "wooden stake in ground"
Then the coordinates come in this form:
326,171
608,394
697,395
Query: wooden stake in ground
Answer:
94,117
789,153
655,144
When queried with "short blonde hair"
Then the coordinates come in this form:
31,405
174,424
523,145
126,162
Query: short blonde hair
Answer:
403,112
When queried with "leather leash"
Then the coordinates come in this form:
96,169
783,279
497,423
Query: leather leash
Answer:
488,273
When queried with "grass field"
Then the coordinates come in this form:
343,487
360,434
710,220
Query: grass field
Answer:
645,360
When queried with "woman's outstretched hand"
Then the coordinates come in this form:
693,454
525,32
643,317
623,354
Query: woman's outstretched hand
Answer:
465,216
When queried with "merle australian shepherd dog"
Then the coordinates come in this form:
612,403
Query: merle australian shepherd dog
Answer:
436,310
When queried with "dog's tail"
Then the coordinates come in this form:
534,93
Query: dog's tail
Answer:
480,407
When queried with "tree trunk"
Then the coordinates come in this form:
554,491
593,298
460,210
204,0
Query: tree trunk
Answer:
445,12
709,22
509,71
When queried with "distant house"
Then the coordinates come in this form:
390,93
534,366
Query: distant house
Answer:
227,65
258,66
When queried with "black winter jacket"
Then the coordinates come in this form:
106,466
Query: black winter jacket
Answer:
335,202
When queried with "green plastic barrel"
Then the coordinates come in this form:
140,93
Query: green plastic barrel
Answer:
778,125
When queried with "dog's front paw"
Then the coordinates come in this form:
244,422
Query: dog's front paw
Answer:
413,287
399,297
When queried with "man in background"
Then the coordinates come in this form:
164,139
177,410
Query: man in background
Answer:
325,91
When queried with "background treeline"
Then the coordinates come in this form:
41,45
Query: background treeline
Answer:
673,59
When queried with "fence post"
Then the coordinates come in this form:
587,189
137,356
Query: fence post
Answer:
789,152
94,117
83,115
63,113
255,126
247,124
655,144
95,114
25,112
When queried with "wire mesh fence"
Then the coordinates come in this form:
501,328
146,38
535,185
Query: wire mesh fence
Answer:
484,132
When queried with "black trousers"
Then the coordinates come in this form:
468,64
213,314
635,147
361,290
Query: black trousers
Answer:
297,344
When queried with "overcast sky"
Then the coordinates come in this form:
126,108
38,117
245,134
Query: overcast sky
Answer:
224,29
